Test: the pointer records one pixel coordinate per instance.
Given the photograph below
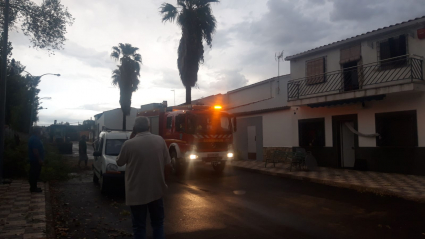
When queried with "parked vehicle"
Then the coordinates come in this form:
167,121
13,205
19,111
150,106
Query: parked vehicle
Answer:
194,133
105,168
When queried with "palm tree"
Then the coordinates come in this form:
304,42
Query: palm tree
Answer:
197,23
126,76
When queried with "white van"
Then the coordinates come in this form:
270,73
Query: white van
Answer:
105,168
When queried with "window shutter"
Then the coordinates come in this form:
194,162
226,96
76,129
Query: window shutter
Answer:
315,71
350,54
402,45
384,50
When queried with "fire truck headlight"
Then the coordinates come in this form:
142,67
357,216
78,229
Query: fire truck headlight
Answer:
193,156
230,155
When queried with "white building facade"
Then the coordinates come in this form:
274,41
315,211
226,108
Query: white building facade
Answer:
113,119
359,103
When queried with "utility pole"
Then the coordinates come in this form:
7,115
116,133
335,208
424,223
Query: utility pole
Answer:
3,84
278,57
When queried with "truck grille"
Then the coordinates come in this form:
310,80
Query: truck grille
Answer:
212,146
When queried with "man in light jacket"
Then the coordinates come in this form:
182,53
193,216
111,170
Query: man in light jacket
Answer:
146,158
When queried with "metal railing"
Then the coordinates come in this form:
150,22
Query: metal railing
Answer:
358,77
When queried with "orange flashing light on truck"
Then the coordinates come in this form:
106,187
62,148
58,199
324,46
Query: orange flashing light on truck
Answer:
194,133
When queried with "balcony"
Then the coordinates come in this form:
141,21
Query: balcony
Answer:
399,74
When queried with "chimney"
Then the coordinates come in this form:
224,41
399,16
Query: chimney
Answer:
55,121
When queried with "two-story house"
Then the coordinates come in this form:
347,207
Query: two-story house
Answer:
360,102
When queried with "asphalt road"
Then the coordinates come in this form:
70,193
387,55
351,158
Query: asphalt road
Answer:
240,204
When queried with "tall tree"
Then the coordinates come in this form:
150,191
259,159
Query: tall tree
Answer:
197,23
126,77
45,24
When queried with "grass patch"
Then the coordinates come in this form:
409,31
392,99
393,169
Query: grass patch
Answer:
16,164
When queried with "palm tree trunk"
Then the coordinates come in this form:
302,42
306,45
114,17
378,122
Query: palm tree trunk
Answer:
124,123
188,95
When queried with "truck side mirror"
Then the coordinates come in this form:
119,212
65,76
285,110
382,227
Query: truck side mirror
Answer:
234,124
97,154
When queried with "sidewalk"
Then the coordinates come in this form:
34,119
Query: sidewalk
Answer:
22,214
410,187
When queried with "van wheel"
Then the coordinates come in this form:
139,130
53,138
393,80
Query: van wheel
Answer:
219,167
103,184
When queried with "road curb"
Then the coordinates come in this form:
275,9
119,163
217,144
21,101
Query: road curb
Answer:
380,191
50,231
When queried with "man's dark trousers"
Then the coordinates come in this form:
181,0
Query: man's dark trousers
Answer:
156,212
35,169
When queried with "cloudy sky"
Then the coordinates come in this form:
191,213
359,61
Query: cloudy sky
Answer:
249,33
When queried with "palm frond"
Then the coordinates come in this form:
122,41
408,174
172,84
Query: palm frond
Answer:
137,58
116,77
207,23
203,3
168,12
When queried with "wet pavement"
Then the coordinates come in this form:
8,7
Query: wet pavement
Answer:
74,154
239,204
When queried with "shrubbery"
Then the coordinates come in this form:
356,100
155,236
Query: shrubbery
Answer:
16,163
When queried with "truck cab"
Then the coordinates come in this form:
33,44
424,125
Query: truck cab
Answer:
194,134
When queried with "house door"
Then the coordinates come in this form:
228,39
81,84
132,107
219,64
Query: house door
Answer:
348,156
350,76
252,143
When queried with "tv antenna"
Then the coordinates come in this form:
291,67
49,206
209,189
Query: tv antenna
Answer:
278,57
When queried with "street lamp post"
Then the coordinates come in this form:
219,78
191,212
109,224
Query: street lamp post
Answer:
33,95
174,97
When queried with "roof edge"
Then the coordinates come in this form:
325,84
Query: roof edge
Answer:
358,37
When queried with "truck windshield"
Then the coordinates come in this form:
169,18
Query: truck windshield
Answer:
113,146
213,124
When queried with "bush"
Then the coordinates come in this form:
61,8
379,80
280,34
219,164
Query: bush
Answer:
16,163
15,159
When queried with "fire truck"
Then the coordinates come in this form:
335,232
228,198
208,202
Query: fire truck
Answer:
193,133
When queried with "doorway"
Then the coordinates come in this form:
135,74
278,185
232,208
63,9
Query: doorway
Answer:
350,76
252,142
344,140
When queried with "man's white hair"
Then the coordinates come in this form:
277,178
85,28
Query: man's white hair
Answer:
142,124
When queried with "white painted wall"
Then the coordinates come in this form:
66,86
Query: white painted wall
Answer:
258,97
112,119
365,116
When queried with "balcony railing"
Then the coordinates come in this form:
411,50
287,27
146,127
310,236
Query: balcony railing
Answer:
402,68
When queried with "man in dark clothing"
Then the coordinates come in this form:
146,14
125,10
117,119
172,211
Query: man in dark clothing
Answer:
82,150
36,157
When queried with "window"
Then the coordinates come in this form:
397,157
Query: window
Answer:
180,123
113,146
315,70
169,122
209,124
311,132
397,129
392,50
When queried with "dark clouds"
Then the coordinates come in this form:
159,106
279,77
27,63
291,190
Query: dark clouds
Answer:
224,81
377,12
